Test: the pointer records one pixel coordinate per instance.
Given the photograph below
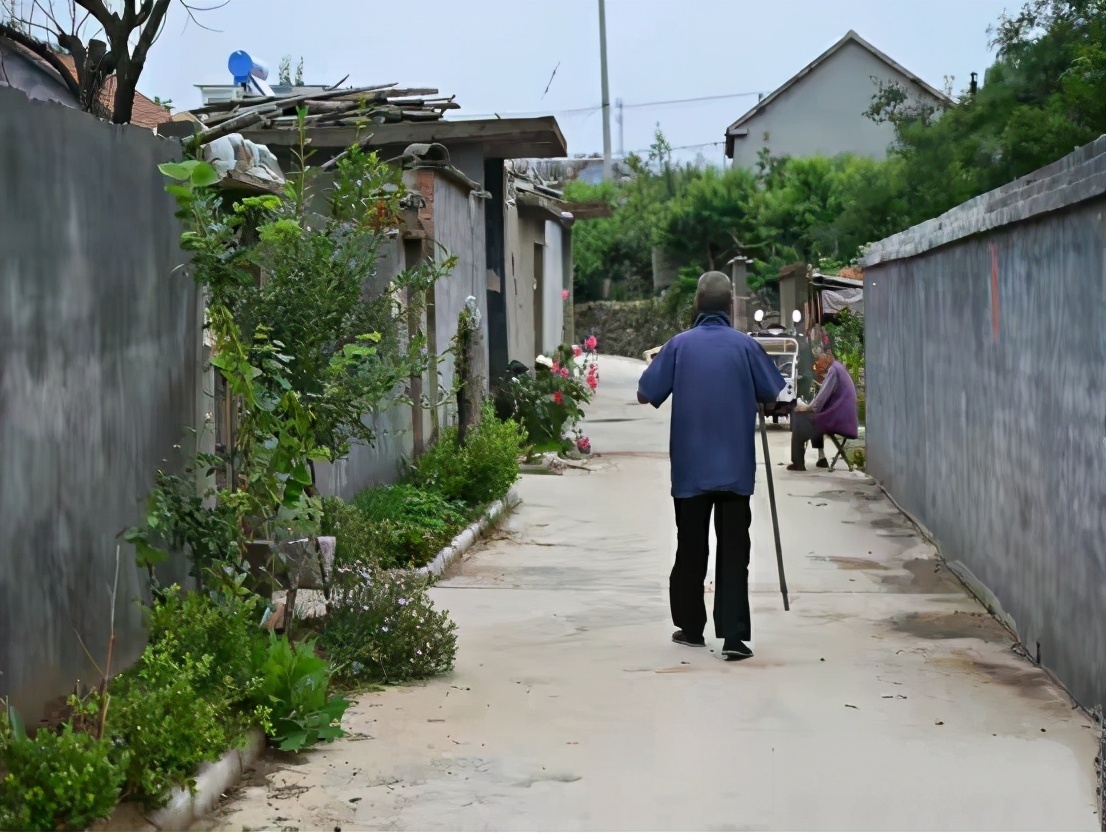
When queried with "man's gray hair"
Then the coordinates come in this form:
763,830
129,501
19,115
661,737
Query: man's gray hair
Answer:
714,293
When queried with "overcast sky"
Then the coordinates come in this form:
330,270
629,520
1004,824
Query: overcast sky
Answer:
497,55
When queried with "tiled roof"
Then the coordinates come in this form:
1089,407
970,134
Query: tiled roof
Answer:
144,113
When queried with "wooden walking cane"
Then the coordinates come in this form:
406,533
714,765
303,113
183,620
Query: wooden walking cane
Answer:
772,503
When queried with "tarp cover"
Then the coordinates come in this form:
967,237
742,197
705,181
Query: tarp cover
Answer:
834,301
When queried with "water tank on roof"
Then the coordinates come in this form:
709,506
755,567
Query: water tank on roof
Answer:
248,71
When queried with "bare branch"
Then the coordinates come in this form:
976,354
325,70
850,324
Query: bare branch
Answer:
102,13
49,15
192,14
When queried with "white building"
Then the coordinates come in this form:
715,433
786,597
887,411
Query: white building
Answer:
820,110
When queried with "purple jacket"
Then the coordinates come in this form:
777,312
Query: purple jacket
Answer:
835,405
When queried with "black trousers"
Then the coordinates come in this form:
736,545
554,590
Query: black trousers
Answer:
802,430
732,518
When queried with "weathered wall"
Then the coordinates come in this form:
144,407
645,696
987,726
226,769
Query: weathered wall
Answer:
459,231
986,385
99,379
823,114
626,328
367,466
553,273
521,235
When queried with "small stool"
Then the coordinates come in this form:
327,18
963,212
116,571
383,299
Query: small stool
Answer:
840,442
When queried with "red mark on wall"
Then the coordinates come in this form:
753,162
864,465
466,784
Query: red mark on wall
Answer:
994,292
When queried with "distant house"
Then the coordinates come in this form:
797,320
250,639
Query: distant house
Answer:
820,110
538,267
25,71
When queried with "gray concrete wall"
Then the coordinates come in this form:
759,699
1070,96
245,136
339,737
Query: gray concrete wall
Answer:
99,381
459,231
823,114
367,466
985,410
553,306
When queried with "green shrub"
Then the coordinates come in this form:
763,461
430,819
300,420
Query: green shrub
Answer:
57,780
355,535
382,626
394,527
296,684
479,472
491,453
410,524
168,726
222,628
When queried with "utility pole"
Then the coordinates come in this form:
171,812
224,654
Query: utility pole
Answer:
621,130
606,92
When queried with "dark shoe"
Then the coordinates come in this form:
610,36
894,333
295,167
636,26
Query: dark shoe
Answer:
796,467
823,463
688,639
736,650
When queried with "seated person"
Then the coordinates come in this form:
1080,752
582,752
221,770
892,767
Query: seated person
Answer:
833,411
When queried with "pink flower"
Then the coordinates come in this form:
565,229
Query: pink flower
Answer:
593,382
558,398
590,342
556,367
584,445
564,295
577,350
564,372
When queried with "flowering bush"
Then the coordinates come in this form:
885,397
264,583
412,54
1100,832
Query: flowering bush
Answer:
382,627
549,400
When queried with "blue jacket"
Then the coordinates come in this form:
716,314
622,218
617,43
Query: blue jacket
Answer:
715,376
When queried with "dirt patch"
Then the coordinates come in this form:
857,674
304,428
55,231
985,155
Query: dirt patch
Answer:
924,576
1018,674
952,625
852,563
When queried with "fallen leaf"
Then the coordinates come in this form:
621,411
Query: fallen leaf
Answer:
850,706
939,723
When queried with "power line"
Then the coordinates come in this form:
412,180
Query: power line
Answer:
691,100
598,107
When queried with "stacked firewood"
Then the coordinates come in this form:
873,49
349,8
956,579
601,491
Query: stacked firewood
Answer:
350,107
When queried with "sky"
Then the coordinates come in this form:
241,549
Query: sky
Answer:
498,56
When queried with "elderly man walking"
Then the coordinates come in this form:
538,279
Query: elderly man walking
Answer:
716,376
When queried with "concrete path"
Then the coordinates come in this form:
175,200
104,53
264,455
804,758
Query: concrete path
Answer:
886,698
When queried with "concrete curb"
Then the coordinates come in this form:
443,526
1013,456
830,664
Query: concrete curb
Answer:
470,535
212,781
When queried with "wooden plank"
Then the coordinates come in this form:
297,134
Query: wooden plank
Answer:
538,137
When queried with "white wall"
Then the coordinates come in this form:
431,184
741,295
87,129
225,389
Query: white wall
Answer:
823,114
552,305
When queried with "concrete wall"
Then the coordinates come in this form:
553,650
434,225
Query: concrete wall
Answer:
99,380
459,231
822,114
519,285
366,466
986,387
553,317
536,311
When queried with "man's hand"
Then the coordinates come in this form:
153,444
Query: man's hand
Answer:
641,398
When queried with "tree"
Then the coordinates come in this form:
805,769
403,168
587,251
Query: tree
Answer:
130,30
284,73
1044,96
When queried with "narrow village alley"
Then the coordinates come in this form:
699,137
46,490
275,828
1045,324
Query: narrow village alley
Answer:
887,698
